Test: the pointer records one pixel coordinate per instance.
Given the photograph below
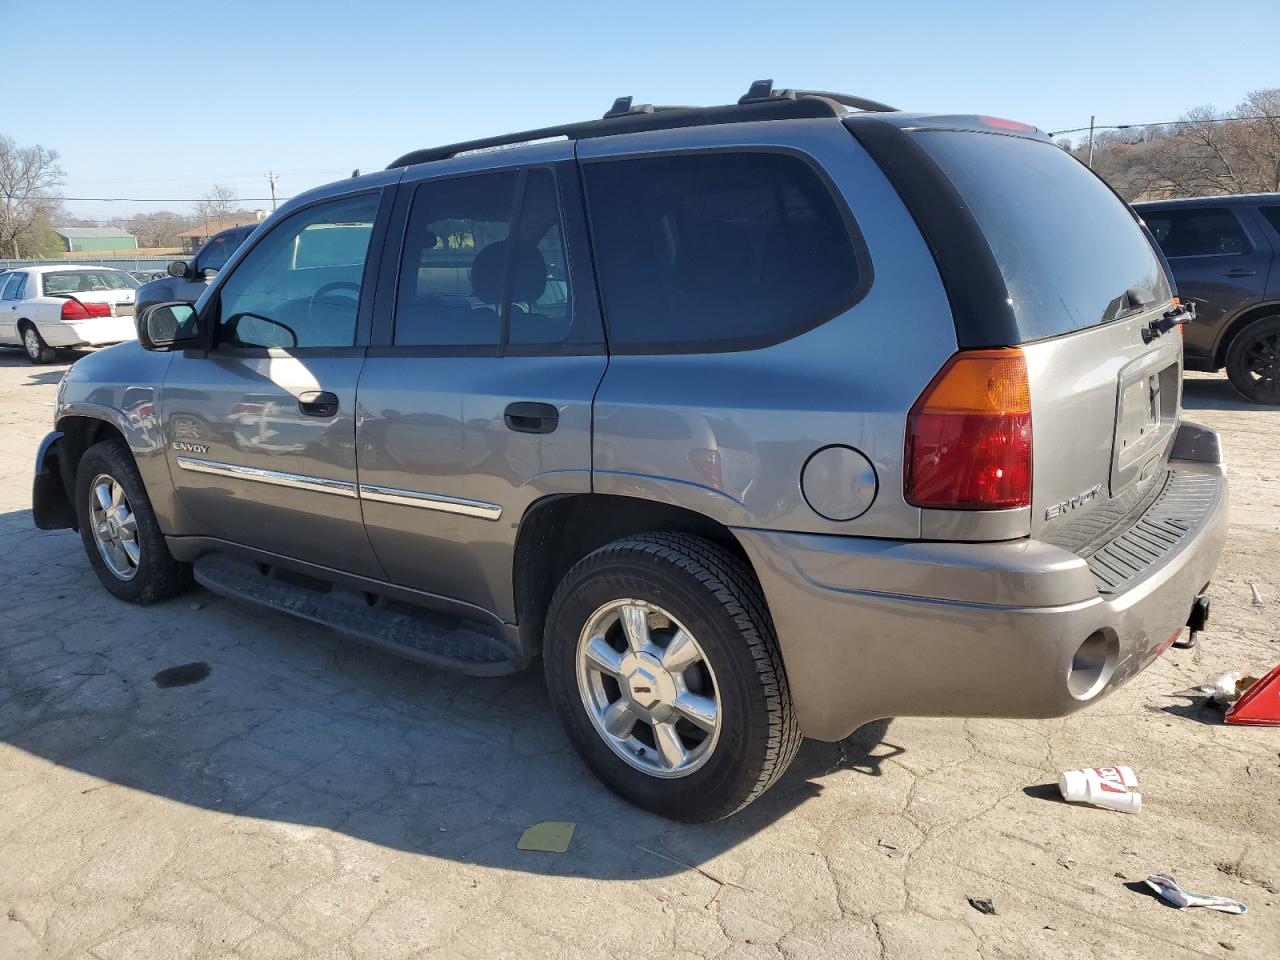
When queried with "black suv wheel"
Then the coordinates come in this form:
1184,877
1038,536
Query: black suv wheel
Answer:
1253,361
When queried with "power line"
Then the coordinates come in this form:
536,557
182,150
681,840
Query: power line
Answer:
152,199
1165,123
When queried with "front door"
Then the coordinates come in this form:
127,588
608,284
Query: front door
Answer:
260,430
476,397
1219,261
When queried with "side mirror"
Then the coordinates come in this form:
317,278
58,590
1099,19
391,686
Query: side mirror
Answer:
178,268
166,326
208,273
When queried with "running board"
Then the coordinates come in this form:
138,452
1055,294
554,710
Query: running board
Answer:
430,637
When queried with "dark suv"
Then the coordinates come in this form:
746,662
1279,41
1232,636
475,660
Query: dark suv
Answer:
1222,251
187,280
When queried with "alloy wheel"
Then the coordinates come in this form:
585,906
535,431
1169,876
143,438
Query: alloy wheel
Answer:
114,526
1262,363
648,688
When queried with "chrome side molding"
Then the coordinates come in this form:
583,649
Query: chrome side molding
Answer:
431,501
394,495
276,478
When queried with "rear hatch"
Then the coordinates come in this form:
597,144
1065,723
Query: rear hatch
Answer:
1081,284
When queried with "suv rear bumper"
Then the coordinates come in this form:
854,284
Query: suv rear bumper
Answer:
881,628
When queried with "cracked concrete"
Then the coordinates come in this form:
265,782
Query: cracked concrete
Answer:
312,798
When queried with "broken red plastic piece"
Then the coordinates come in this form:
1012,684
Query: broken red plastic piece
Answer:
1260,704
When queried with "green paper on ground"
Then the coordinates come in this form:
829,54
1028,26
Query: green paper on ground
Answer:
550,836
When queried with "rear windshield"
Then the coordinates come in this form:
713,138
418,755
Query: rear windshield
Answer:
65,282
1071,253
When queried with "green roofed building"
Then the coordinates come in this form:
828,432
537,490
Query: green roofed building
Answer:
95,239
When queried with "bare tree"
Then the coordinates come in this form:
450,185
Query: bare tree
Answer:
220,202
157,229
28,178
1208,152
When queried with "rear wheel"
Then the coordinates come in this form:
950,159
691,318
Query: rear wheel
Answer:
37,350
1253,361
663,667
119,528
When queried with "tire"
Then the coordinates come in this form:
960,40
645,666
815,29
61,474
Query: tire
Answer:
36,349
1253,361
150,576
711,595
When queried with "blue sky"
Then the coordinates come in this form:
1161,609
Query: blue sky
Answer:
315,89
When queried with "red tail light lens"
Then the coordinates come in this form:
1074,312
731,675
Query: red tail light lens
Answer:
73,309
1000,123
969,435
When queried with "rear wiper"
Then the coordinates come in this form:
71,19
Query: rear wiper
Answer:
1133,300
1180,314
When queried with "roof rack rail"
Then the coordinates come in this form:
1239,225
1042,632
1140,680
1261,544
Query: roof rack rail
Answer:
762,90
761,102
623,107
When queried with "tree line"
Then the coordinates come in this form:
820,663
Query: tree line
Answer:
1205,153
30,207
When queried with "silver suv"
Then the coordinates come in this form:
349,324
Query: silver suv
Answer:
754,422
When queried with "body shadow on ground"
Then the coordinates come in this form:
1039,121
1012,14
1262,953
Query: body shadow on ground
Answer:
295,724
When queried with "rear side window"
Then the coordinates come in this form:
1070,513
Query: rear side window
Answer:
1273,216
718,251
13,286
467,281
1069,250
1199,232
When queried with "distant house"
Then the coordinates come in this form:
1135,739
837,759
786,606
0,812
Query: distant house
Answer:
193,239
95,239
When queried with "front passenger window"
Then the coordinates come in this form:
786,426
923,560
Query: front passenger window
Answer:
300,286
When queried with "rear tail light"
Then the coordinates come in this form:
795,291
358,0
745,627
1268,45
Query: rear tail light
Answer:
1000,123
73,309
969,435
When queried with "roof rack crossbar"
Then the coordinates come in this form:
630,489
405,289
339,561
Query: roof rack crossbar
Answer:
761,102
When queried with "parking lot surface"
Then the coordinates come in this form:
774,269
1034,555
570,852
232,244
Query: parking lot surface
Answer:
308,797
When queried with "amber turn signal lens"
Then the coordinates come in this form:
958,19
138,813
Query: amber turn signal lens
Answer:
969,435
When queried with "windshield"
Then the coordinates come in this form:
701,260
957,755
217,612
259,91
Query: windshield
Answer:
1071,253
70,282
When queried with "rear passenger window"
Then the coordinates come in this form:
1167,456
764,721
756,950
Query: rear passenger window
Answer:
1273,216
1197,233
465,280
717,251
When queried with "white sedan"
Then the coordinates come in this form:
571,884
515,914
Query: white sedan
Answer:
48,308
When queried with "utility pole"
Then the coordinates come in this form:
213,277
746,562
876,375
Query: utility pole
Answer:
1090,164
271,179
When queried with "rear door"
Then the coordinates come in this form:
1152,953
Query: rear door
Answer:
476,397
1082,284
260,429
1219,259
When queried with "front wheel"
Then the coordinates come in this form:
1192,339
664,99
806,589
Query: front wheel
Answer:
119,528
37,350
1253,361
663,667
